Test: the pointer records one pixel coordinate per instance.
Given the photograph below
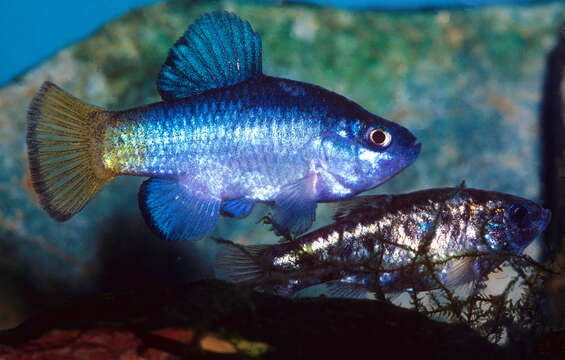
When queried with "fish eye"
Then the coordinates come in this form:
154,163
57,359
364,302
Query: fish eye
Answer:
380,137
520,215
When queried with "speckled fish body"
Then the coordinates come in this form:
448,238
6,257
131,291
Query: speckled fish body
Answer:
224,137
375,238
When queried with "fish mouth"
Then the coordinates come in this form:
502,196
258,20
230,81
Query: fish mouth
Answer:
545,219
414,152
410,156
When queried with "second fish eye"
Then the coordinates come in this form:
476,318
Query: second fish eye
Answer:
380,137
520,215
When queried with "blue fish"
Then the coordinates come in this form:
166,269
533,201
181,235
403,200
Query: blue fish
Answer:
224,137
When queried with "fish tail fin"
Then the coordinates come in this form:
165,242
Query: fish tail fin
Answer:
240,264
64,158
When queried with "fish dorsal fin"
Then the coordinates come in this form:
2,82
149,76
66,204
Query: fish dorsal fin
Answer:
218,50
359,205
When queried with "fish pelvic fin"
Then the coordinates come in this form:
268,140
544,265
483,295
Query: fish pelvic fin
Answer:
63,151
240,264
294,210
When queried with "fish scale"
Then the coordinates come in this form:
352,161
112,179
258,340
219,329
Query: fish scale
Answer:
140,127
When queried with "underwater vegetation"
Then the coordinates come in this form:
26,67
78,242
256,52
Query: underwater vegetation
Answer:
452,78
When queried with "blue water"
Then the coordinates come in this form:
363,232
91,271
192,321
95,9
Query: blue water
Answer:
31,31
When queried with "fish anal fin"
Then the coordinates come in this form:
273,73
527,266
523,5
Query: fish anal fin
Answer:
218,50
175,212
337,288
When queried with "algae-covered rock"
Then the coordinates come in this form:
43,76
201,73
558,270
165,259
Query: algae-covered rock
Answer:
467,83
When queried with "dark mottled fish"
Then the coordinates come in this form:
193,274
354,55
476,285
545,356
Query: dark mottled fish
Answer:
224,137
376,243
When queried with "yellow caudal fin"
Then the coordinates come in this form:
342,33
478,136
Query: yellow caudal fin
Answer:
63,152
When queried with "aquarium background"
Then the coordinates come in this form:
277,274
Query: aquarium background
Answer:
45,27
466,81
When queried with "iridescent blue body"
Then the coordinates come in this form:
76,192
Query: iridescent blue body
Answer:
386,242
247,140
224,136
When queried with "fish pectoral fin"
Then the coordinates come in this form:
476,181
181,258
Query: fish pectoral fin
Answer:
337,288
294,210
461,271
176,212
218,50
237,208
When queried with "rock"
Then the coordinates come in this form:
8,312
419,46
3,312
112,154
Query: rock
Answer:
208,318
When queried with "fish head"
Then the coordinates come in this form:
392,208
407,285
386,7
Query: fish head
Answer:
516,223
364,152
